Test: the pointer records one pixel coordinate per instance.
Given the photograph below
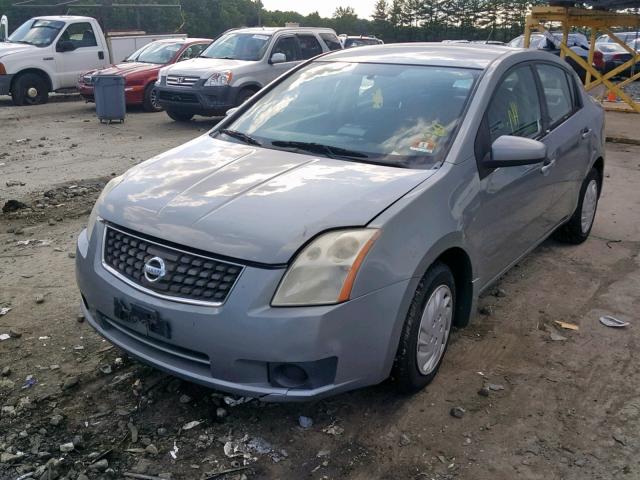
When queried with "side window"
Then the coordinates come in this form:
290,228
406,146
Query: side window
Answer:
191,52
80,34
288,46
557,93
309,46
332,42
514,108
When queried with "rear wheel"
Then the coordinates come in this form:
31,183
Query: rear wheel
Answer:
425,335
578,228
179,116
150,102
29,89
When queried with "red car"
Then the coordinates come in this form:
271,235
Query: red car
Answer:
141,68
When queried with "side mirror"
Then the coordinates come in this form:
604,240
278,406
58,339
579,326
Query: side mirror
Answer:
278,58
65,46
509,151
231,111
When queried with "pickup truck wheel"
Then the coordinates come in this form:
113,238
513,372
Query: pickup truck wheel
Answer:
29,89
150,102
425,334
578,228
179,116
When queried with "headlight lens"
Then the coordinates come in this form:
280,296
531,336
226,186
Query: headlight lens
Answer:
324,272
93,217
219,79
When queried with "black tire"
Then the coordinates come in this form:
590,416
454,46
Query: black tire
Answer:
406,373
573,231
30,89
150,101
244,95
179,116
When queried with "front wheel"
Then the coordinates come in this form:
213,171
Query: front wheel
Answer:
179,116
425,335
29,89
578,228
150,102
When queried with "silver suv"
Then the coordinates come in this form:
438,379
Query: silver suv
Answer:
236,66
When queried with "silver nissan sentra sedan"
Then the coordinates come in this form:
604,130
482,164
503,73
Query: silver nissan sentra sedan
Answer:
331,231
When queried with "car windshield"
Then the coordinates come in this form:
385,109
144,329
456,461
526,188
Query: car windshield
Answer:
155,52
239,46
397,115
611,48
40,33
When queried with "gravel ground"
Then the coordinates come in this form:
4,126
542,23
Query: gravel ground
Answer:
559,403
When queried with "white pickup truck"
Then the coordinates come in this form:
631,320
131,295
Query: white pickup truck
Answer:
48,54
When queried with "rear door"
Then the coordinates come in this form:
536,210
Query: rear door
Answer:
567,136
513,212
86,55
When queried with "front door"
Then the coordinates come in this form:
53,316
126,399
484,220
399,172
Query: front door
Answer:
512,212
287,45
85,55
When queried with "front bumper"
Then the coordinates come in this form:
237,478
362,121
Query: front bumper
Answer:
197,99
133,95
5,84
237,346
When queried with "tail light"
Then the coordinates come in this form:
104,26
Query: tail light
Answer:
598,60
620,56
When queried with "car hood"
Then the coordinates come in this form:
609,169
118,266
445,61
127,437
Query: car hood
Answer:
7,48
203,67
248,203
127,68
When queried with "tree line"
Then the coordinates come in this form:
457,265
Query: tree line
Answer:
392,20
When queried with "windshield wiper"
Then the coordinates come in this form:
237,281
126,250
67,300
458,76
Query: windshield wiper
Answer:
240,136
328,150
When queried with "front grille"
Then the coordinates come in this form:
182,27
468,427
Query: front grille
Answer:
188,276
178,97
182,81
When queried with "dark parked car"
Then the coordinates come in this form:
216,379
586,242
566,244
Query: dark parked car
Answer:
577,42
615,55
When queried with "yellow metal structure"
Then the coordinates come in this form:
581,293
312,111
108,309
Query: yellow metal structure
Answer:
597,21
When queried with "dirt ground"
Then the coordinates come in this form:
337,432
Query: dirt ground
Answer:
564,403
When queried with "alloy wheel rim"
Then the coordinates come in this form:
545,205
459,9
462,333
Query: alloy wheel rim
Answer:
589,203
435,326
154,99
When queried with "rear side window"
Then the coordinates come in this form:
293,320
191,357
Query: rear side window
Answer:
557,93
332,41
80,34
514,108
289,47
309,46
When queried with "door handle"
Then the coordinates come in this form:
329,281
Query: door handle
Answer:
101,55
547,165
585,133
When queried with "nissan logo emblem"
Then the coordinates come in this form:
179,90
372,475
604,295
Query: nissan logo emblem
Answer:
154,269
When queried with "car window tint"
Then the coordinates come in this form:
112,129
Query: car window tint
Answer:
192,51
557,93
332,41
288,46
309,46
80,34
514,108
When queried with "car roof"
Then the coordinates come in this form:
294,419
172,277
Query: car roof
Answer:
182,40
272,30
447,55
63,18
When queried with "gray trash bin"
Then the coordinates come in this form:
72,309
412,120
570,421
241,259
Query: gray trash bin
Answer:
108,91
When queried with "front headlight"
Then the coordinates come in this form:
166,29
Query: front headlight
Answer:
93,217
219,79
324,272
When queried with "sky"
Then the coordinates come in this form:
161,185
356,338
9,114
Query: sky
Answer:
364,8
